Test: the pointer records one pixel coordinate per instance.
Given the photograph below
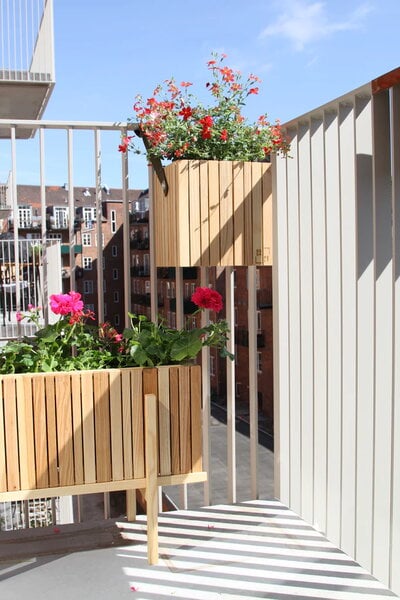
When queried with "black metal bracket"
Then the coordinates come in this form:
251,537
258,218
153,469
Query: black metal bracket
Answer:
155,162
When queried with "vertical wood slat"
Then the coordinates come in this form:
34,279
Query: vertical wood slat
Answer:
266,214
3,470
194,213
204,214
225,194
238,213
117,462
164,430
77,426
174,406
39,417
64,430
26,439
184,420
196,429
215,213
137,422
127,424
89,451
102,426
10,418
52,430
213,186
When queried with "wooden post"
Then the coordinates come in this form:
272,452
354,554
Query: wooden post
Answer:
151,477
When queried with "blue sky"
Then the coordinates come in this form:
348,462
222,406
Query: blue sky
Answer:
306,52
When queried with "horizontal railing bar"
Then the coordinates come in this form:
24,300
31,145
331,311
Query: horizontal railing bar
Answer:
90,125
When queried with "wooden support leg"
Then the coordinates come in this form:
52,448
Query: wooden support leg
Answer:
131,505
151,477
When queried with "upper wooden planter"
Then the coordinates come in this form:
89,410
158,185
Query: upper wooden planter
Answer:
216,213
86,431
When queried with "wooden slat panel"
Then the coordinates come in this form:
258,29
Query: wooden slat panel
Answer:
194,212
238,213
3,473
213,186
150,383
226,213
51,429
174,408
127,423
26,440
184,420
64,429
256,193
89,452
117,461
137,422
39,416
248,213
77,427
204,214
266,213
102,425
196,418
164,429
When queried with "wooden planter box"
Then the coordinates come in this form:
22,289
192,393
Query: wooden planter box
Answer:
106,430
216,213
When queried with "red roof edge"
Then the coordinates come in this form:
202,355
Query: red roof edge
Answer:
386,81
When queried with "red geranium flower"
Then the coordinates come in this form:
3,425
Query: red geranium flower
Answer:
205,297
224,135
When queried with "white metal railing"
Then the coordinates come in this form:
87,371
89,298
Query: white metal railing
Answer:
26,40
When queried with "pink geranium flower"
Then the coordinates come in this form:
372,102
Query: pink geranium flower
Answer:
66,304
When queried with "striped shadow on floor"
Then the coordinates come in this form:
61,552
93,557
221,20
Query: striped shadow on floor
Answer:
257,549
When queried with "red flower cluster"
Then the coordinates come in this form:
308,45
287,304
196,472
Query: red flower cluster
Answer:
205,297
124,145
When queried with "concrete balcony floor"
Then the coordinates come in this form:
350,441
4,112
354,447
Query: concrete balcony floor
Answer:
256,549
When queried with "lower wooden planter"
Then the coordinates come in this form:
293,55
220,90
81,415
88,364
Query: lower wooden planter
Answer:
106,430
216,213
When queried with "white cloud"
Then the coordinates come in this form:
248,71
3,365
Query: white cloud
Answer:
304,22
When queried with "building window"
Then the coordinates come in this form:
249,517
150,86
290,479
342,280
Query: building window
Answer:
116,320
116,296
146,262
104,286
25,217
86,239
259,363
147,287
87,263
187,290
33,236
259,321
54,236
87,286
114,250
89,216
193,287
60,217
113,221
115,274
172,289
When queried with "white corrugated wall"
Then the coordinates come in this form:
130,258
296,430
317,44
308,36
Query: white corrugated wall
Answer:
337,325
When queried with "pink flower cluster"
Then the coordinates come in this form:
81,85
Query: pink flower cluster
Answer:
66,304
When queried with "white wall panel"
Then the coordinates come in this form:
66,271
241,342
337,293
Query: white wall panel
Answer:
337,325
